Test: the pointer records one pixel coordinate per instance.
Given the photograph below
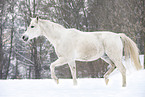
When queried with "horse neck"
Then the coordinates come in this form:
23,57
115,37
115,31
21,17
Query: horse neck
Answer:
53,32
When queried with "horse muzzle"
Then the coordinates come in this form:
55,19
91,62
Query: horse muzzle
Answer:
25,38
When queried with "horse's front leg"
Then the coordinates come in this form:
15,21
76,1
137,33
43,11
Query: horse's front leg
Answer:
58,62
72,66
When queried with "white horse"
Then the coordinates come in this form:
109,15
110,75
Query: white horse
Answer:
73,45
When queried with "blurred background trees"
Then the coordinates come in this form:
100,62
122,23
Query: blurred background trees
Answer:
32,60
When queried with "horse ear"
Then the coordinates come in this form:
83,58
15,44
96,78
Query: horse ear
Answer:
37,18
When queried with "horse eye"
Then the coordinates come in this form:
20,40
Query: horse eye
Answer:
32,26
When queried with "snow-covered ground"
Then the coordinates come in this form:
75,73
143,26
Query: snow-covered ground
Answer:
86,87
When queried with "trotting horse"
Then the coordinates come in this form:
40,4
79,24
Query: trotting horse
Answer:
73,45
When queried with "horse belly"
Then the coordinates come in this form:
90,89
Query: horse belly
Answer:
89,51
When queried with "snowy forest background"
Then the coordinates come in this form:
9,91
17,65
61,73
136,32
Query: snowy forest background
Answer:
20,60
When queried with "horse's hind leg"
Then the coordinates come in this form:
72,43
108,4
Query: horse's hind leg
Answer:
111,69
118,63
114,50
122,69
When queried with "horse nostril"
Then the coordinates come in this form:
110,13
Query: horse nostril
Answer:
25,38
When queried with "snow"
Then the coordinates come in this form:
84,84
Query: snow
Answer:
87,87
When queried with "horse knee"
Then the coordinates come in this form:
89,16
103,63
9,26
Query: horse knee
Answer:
106,76
73,68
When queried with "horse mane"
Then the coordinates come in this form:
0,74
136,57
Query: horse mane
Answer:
54,25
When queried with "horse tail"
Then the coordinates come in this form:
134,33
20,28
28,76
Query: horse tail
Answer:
131,50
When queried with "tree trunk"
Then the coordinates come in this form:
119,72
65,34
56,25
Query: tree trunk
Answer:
143,37
92,70
1,54
144,29
30,72
1,40
10,53
36,62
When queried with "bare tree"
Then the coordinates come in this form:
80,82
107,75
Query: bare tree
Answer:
1,40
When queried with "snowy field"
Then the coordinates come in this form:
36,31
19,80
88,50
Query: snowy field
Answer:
86,87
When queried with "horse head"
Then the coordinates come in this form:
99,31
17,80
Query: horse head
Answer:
33,30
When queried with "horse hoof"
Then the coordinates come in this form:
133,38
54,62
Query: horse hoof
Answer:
106,81
57,81
75,83
124,85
